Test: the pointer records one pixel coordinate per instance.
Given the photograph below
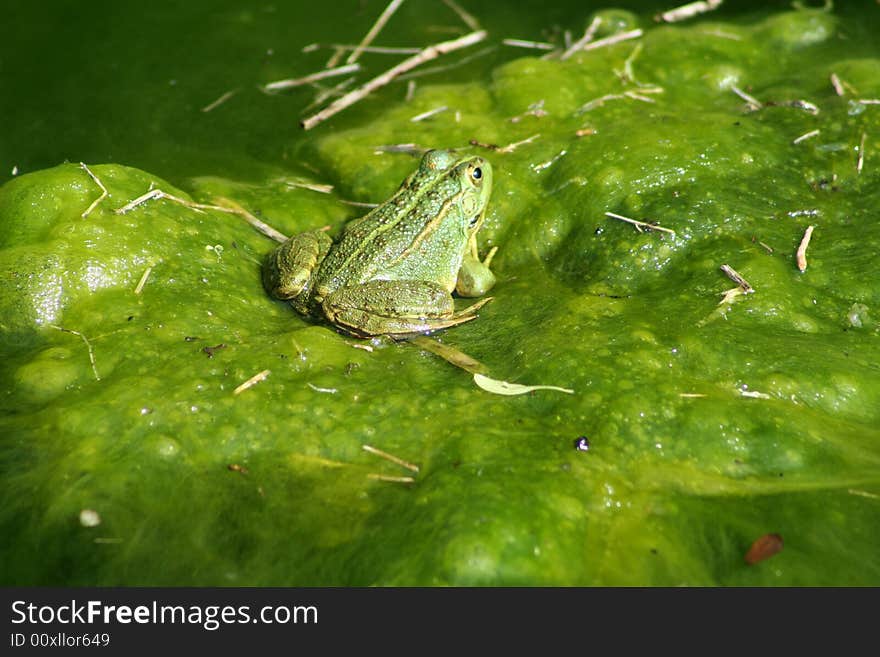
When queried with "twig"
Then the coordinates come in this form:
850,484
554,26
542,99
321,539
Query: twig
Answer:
869,101
838,87
229,94
431,70
254,380
614,38
522,43
391,457
688,11
328,391
466,18
88,346
737,278
397,480
428,114
504,149
358,204
802,249
589,33
410,90
312,187
230,208
536,109
377,27
805,136
860,162
543,165
98,182
639,224
429,53
409,149
278,85
598,102
378,50
143,281
753,103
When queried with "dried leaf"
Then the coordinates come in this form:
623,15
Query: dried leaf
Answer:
504,388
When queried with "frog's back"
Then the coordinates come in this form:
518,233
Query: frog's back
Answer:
396,239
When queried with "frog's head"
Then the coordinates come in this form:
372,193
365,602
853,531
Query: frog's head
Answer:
475,177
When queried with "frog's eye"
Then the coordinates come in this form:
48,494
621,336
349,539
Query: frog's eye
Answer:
474,220
477,173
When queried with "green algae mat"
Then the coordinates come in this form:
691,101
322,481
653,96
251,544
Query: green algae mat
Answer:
163,421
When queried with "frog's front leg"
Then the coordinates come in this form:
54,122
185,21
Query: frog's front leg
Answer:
395,308
287,271
475,278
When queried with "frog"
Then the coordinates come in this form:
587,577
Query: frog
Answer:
394,270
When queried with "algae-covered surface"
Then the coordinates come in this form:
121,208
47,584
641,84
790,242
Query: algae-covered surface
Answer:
712,419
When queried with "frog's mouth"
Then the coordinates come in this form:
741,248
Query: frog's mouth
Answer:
477,220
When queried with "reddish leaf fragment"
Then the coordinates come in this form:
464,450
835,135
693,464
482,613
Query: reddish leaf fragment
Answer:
764,548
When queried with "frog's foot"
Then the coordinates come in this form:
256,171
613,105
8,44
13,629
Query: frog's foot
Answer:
289,267
474,307
398,308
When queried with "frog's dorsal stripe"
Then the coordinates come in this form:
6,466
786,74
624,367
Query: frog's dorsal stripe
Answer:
416,196
429,228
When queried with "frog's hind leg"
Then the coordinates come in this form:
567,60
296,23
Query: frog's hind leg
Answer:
396,308
289,267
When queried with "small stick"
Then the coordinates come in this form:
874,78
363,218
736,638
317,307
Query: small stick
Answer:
429,53
254,380
869,101
466,18
391,457
589,33
428,114
522,43
691,394
536,109
98,182
431,70
143,281
753,103
838,87
409,149
410,90
800,104
802,249
220,101
377,27
543,165
358,204
398,480
378,50
614,38
88,346
312,187
512,147
231,208
805,136
688,11
639,224
313,77
737,278
329,391
861,161
333,62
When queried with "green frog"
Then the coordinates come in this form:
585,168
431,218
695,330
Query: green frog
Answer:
393,271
